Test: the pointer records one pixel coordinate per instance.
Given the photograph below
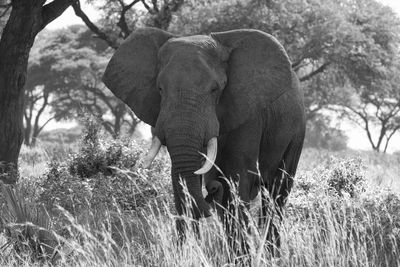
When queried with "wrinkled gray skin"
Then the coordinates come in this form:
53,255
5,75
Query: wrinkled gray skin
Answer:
237,86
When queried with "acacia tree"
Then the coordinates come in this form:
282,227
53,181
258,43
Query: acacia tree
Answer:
37,93
36,101
80,90
25,20
65,69
376,104
371,94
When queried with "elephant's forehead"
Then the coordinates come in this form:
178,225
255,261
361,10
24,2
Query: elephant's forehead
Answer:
194,40
190,44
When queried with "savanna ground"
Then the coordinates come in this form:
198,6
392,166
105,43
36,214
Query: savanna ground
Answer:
89,204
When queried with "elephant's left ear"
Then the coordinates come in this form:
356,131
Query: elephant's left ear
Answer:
132,71
258,72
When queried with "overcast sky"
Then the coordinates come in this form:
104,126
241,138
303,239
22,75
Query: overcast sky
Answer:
395,4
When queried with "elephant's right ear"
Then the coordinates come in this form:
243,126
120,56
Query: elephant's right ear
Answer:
132,71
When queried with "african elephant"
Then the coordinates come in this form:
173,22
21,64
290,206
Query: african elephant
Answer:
231,92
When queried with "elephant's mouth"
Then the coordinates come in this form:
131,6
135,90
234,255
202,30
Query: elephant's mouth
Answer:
212,149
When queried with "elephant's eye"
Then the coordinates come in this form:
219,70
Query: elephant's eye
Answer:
214,90
160,89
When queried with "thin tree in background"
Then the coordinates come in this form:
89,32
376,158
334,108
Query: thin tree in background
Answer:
372,106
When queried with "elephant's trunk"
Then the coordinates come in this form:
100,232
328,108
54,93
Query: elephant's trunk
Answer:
185,161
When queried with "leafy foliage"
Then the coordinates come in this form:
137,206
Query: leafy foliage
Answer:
337,196
120,18
346,177
65,74
102,174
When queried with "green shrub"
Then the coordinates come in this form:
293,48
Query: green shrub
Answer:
62,188
103,172
346,176
334,209
334,176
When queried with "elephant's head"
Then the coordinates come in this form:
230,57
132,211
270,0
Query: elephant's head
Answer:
192,89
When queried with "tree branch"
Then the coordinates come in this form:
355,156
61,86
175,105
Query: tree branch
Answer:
44,124
149,9
39,113
364,118
374,147
315,72
53,10
122,19
101,95
6,7
297,63
109,127
79,12
390,136
132,4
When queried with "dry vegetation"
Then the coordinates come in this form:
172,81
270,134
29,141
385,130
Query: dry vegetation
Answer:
91,206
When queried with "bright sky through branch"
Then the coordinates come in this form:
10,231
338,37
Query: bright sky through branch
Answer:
69,18
395,4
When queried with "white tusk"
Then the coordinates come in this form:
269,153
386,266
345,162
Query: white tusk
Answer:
210,158
153,151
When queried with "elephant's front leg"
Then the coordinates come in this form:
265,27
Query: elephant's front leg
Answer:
242,168
239,156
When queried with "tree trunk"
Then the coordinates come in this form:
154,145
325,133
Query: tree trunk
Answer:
35,134
36,128
26,19
15,44
27,133
119,116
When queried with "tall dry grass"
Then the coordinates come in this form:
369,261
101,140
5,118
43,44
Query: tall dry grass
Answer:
344,210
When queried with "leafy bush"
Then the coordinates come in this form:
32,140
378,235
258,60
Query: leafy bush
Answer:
346,176
101,174
62,188
333,176
337,208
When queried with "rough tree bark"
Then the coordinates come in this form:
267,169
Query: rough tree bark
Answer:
26,20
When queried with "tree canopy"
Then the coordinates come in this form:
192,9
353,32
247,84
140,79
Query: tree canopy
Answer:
66,65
